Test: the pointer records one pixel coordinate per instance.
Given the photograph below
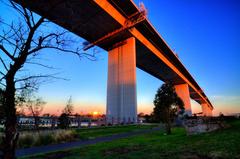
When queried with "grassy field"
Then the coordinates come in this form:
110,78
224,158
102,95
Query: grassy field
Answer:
222,144
106,131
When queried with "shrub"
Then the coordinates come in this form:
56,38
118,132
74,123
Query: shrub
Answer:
65,135
25,140
44,139
29,139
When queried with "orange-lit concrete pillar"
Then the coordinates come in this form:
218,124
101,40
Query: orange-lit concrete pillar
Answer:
206,110
182,91
121,86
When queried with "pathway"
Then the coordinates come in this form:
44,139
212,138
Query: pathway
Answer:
62,146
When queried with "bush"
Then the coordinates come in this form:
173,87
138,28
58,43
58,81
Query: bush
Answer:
65,135
44,139
29,139
25,140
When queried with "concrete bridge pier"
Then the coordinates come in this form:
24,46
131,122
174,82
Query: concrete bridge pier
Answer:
121,85
206,110
182,91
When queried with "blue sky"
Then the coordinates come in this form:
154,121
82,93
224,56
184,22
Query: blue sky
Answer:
204,33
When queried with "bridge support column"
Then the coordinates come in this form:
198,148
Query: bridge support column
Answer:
182,91
206,110
121,86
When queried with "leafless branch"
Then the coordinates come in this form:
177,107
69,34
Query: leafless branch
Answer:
27,17
6,52
2,73
2,84
32,17
39,64
6,39
4,65
38,76
3,76
23,11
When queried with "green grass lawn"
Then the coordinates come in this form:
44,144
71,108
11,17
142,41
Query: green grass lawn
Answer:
110,130
222,144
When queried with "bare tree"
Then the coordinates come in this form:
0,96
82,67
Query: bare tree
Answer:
33,104
35,107
20,43
69,107
65,119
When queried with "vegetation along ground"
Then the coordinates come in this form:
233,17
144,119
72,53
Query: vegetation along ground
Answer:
221,144
46,137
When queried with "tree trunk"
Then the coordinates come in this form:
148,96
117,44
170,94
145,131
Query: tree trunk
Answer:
168,122
11,135
168,128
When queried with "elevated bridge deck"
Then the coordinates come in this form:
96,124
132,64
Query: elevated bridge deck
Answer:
94,19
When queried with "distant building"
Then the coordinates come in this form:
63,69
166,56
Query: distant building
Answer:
44,121
52,121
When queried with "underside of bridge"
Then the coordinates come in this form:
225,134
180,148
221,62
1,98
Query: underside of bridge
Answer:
107,23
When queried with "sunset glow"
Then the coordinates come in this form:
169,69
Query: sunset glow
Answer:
95,113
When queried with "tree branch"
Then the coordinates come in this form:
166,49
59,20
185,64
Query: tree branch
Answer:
3,76
3,84
5,66
7,39
38,76
91,57
42,39
27,17
32,18
26,47
2,73
6,52
23,12
39,64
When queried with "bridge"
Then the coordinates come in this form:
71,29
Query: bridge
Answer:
122,28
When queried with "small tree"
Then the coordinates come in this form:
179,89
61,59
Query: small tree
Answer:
166,104
26,99
35,107
64,121
69,107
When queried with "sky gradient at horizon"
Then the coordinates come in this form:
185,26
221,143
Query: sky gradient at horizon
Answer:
204,33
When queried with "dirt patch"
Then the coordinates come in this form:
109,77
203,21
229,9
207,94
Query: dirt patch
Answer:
121,150
55,155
